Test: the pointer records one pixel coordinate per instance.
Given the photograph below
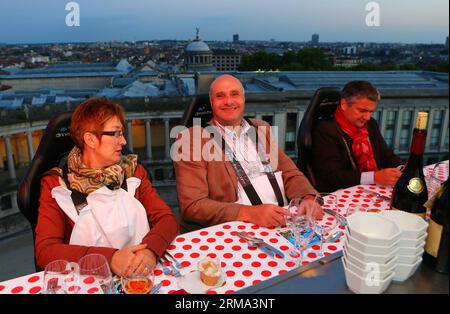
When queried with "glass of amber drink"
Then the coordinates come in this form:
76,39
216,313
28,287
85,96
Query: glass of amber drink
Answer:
138,284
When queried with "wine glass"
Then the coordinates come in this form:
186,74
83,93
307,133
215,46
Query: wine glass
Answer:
301,225
329,221
96,266
138,283
61,277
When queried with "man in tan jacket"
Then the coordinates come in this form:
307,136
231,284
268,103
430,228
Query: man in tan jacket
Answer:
226,177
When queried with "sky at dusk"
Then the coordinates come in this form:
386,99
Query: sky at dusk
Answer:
405,21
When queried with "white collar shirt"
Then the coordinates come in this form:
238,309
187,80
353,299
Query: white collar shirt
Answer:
243,147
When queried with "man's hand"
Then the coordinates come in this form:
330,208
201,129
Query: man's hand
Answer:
122,259
265,215
311,208
388,176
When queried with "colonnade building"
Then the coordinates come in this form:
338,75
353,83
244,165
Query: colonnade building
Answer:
280,98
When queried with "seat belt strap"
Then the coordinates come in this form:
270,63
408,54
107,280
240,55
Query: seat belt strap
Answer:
78,198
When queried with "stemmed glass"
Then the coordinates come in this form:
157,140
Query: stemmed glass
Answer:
96,266
329,222
301,225
61,277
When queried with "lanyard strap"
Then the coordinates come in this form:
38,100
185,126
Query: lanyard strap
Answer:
243,178
269,171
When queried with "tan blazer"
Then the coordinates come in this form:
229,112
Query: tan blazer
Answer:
207,190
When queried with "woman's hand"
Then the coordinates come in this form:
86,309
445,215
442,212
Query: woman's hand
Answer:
122,259
144,261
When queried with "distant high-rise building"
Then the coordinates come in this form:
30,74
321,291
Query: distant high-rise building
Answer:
315,39
349,50
236,38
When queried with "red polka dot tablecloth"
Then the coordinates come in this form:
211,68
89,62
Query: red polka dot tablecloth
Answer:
32,284
243,266
435,174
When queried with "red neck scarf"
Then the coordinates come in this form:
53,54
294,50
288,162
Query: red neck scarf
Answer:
362,149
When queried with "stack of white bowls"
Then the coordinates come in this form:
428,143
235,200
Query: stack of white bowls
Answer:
412,241
370,252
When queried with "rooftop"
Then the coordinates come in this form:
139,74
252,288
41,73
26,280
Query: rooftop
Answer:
254,82
123,87
69,69
312,80
229,52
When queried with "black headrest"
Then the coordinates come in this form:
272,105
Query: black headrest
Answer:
322,107
199,107
323,104
54,145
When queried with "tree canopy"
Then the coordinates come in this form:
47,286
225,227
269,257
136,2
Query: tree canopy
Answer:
315,59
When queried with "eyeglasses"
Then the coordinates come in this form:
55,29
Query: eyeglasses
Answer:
116,134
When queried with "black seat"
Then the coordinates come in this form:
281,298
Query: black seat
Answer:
199,107
322,107
54,145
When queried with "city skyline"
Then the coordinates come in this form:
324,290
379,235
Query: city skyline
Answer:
404,21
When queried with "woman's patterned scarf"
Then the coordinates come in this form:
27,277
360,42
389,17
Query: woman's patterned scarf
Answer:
86,180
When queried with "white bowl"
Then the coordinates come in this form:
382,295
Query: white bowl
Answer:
362,285
371,269
404,242
404,250
370,249
382,267
369,258
373,229
411,226
404,271
409,259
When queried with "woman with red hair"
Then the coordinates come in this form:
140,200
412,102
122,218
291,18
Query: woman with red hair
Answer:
102,201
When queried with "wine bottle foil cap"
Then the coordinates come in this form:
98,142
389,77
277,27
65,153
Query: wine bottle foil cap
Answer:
422,119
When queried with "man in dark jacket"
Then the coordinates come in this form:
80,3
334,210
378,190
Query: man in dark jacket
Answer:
349,150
